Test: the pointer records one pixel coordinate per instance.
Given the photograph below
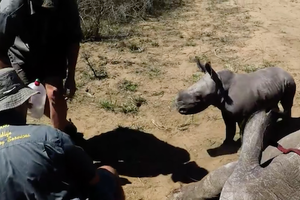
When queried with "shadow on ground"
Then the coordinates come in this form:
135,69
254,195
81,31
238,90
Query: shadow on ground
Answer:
225,149
138,154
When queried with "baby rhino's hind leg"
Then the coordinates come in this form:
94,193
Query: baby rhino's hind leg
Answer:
287,102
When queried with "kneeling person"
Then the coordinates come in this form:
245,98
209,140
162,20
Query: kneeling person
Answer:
40,162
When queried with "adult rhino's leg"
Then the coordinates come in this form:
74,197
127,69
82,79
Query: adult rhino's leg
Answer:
230,128
208,188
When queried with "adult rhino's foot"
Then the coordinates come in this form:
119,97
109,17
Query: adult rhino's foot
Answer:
227,147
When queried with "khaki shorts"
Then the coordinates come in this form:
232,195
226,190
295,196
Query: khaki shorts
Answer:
28,71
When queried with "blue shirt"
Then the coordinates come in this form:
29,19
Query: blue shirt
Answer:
40,162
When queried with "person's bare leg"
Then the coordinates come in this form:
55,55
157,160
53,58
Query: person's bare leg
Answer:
120,193
56,108
47,108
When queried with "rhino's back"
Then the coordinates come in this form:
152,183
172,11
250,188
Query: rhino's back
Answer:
262,88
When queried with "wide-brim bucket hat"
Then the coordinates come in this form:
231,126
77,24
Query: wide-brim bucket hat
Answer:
13,91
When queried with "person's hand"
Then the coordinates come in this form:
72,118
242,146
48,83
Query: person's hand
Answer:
70,87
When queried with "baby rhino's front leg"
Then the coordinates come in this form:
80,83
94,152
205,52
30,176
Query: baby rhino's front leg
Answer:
230,124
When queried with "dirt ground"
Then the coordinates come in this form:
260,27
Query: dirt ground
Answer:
136,79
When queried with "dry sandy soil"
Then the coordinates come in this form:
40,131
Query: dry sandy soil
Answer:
136,80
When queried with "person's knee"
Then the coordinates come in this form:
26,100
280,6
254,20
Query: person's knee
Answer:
117,189
54,89
53,93
110,169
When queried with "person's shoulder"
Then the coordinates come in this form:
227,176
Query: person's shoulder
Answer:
51,133
31,128
38,127
47,129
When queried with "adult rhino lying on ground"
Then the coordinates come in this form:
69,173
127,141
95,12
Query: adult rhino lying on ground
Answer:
238,95
277,177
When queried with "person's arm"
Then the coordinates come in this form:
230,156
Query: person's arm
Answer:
77,161
81,168
63,152
74,32
72,56
12,12
80,165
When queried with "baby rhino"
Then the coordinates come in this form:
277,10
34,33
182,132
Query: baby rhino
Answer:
238,95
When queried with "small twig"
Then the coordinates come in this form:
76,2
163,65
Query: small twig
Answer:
86,58
245,60
141,181
157,125
215,52
89,94
93,70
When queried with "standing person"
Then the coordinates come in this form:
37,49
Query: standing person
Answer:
40,162
40,39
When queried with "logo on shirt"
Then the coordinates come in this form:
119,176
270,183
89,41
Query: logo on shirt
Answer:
6,136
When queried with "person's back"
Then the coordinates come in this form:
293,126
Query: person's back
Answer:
33,162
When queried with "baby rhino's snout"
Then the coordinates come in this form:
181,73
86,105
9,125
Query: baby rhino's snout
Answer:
182,100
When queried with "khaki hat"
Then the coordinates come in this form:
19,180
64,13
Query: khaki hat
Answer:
13,92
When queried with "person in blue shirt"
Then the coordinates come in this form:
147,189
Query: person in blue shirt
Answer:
39,162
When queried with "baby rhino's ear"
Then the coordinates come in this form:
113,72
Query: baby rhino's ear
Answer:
208,67
200,66
212,74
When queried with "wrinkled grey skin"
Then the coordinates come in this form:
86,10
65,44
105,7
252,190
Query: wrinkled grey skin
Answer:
238,95
246,179
209,187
